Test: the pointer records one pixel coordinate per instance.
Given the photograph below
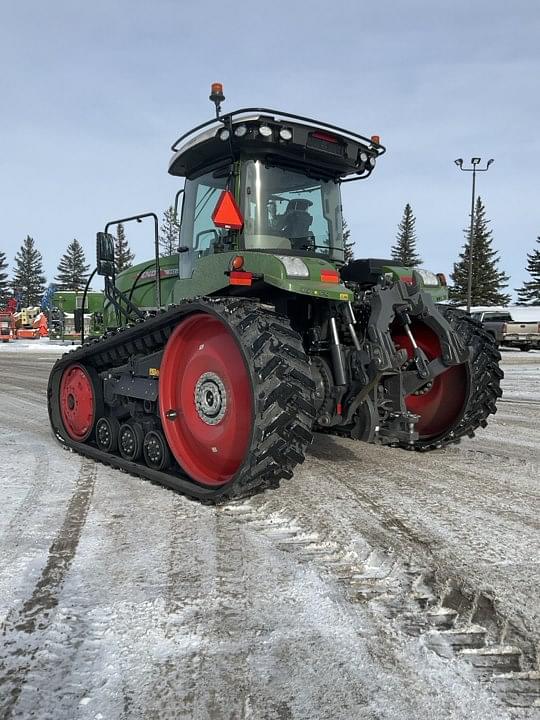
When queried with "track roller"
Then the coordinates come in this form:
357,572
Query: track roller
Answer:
155,450
130,441
107,431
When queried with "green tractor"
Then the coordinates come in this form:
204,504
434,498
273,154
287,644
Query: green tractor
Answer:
219,363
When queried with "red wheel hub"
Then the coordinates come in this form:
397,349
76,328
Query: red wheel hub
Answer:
77,402
206,400
441,404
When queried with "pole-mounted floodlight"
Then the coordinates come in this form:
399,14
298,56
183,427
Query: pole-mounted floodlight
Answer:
474,169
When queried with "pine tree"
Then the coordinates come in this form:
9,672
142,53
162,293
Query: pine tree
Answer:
487,281
170,232
4,284
530,292
72,268
28,277
122,253
348,244
404,251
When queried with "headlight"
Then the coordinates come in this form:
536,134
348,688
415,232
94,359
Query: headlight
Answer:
364,157
224,134
240,131
372,161
285,134
265,130
294,266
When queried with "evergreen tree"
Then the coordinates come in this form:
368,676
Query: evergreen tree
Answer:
72,268
487,281
530,292
122,254
170,232
28,277
4,284
348,244
404,251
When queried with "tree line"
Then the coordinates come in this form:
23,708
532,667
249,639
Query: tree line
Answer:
28,282
488,282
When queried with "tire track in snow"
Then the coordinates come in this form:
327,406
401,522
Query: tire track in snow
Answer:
23,628
30,503
223,672
449,622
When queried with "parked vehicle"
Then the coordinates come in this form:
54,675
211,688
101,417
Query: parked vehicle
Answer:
517,327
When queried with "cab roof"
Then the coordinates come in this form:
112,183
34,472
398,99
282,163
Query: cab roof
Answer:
278,138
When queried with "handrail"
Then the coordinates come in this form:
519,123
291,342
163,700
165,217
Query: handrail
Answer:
380,149
156,245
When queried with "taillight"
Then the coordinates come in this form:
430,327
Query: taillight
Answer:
240,277
504,328
319,135
329,276
441,277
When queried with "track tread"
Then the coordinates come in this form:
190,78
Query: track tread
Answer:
283,388
486,376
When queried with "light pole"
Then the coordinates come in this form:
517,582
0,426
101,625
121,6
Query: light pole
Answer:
474,169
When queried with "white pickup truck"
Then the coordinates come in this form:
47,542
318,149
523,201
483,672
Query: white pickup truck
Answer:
516,326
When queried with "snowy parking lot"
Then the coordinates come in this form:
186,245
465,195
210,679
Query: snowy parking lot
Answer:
377,583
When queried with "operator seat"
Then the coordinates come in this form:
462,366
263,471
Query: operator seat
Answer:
296,221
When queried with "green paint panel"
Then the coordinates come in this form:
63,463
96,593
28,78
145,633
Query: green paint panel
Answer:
66,300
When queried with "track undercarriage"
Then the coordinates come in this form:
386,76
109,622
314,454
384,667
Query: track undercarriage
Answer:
219,397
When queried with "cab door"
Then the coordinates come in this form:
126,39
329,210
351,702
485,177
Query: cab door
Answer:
198,234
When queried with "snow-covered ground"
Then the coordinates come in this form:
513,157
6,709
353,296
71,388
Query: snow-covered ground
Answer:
121,599
39,345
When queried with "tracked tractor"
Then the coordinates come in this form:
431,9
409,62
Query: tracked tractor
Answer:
220,362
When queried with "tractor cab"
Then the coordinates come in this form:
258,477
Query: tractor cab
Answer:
266,181
261,196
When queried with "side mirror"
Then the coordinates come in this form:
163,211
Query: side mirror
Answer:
105,254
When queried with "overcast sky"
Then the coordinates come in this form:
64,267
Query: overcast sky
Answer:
93,93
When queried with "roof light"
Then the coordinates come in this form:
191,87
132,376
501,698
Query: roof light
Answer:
224,134
240,130
265,130
216,89
285,134
375,139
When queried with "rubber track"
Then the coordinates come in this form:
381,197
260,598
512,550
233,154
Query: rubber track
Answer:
485,380
282,388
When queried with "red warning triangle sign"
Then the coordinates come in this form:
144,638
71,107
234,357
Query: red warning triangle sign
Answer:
227,213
